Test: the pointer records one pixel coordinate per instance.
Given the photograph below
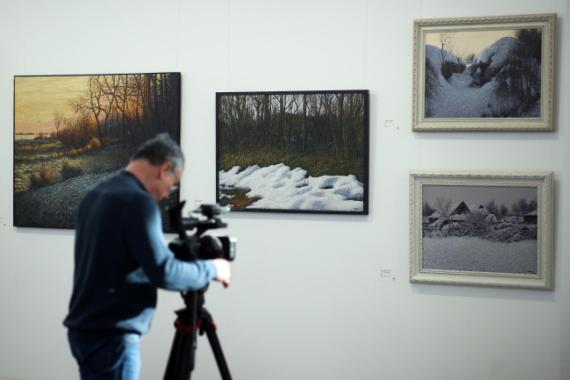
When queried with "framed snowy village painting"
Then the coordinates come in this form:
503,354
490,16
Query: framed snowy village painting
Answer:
302,151
484,73
487,229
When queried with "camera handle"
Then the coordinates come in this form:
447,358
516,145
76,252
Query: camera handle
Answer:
192,319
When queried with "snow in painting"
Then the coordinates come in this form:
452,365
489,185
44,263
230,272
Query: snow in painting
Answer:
480,229
480,255
501,80
280,187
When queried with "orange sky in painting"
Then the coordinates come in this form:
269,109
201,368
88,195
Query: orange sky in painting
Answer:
38,98
469,42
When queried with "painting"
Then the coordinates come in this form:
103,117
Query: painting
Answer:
488,229
71,131
303,151
484,73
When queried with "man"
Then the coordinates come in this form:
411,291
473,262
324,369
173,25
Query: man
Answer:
121,259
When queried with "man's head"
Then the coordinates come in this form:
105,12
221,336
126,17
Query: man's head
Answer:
158,163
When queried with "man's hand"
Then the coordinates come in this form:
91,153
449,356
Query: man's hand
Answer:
224,272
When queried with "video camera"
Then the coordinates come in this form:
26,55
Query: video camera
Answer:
198,246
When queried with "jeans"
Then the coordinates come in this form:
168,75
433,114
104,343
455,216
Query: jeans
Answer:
106,356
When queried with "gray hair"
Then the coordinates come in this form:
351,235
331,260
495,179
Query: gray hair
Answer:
160,149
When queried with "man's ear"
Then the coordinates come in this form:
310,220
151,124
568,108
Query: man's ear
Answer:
164,168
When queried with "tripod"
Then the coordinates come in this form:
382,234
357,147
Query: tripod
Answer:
191,319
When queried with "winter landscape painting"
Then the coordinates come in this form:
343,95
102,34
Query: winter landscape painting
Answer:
293,151
482,229
70,131
484,73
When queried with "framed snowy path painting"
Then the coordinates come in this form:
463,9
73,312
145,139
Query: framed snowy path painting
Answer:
488,229
304,151
484,73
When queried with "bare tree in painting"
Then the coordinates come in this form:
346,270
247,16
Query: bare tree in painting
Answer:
492,208
450,63
294,121
443,207
445,40
321,125
92,103
128,108
57,122
503,210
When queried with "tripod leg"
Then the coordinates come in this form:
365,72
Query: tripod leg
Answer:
207,325
182,354
181,359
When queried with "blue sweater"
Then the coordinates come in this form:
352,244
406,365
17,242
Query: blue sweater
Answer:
121,259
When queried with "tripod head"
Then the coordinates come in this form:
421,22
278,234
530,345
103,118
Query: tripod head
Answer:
199,246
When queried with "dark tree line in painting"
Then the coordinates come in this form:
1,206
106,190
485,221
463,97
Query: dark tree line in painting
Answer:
129,108
328,124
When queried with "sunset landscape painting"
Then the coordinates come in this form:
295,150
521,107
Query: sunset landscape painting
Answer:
71,131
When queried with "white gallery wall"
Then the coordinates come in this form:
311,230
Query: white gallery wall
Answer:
307,300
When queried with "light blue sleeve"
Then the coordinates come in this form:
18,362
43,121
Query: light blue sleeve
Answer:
145,241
